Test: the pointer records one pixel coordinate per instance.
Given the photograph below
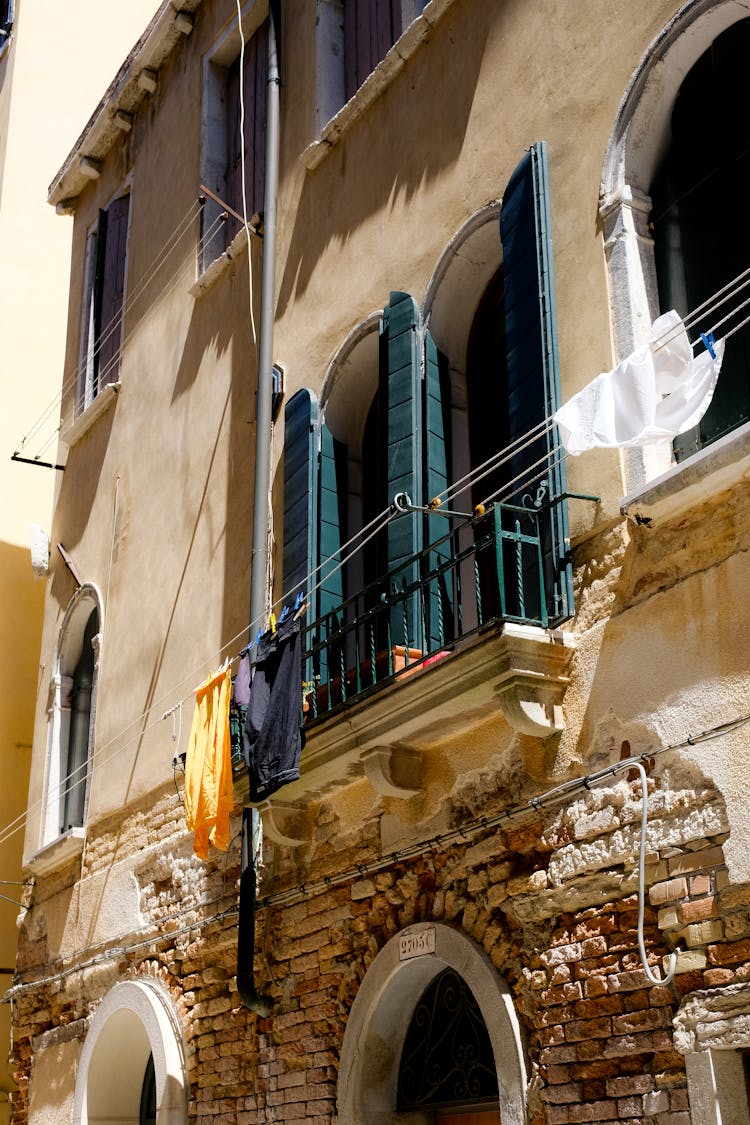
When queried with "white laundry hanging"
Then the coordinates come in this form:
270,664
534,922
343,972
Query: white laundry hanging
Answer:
657,392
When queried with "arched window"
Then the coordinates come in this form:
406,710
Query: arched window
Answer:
72,714
447,1061
666,250
383,437
701,234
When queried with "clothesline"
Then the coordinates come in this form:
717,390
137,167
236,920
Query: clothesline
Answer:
522,442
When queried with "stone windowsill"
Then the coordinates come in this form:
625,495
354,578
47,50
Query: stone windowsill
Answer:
59,852
720,466
83,423
375,83
219,266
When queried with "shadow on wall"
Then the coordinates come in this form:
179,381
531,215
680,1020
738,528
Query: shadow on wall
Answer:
669,650
409,148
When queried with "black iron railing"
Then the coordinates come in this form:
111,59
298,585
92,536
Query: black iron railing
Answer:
492,568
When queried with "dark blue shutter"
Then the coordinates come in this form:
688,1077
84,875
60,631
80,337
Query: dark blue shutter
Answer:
438,600
533,367
401,392
300,495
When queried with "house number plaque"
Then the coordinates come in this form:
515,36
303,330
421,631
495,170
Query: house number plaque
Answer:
416,944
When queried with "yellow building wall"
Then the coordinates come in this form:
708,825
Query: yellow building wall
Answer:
52,75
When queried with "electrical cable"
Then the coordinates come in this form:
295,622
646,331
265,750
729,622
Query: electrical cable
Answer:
165,251
642,889
70,781
242,161
514,448
115,324
478,825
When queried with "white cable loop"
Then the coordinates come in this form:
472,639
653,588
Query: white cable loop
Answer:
642,888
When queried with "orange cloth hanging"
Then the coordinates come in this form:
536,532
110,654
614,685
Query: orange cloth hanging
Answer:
208,766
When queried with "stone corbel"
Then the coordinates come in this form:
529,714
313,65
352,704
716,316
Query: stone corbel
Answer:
533,678
284,824
393,771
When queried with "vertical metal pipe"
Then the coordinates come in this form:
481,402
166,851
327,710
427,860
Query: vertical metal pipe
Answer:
265,340
248,993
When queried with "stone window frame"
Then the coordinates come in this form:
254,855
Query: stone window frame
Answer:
636,146
56,847
95,336
214,257
135,1018
333,115
382,1011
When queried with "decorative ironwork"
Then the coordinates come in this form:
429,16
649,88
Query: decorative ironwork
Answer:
487,570
447,1057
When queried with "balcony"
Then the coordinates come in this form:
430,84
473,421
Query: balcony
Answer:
491,570
465,630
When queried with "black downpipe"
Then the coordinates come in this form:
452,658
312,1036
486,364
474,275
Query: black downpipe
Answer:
248,993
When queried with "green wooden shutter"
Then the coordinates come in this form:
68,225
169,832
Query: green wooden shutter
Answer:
438,602
533,366
312,533
401,395
301,494
331,593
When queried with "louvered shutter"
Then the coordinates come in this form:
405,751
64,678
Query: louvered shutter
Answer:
111,287
401,394
300,494
371,27
438,601
533,368
312,533
254,92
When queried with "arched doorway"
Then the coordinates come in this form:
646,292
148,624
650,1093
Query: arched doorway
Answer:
437,972
132,1068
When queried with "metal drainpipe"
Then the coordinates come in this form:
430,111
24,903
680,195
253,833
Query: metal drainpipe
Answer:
248,993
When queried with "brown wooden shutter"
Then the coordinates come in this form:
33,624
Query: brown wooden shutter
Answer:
254,90
371,27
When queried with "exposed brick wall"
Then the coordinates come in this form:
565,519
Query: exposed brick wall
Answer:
599,1034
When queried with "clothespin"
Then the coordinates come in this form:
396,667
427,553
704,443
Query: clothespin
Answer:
284,614
299,600
272,622
709,341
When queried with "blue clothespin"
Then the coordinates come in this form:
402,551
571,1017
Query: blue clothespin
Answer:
299,600
708,340
284,614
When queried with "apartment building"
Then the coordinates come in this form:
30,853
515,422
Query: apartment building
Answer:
335,268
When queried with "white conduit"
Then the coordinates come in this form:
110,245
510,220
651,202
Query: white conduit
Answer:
642,888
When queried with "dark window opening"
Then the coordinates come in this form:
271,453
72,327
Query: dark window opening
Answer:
105,300
6,19
77,752
147,1110
447,1058
701,234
